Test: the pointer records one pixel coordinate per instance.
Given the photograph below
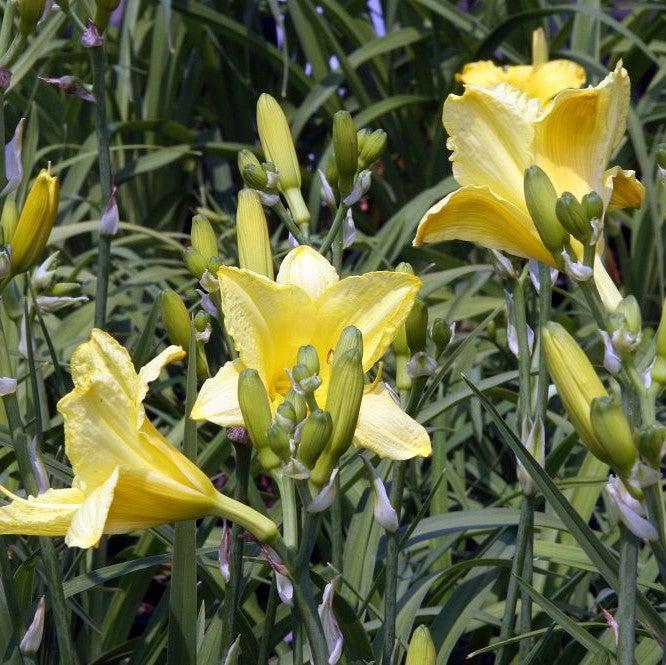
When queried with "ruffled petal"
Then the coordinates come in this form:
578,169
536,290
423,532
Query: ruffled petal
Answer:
490,135
475,214
576,136
89,520
49,514
627,191
218,398
268,321
537,81
151,370
385,429
308,269
377,303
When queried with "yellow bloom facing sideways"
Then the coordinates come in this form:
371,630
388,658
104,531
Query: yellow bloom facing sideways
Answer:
127,476
309,304
496,133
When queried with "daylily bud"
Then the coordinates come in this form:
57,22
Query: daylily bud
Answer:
384,513
650,442
593,205
371,149
307,355
278,440
175,318
251,170
315,434
201,321
421,648
66,289
541,198
32,639
416,326
195,263
279,148
345,147
285,416
299,404
31,11
612,429
440,334
350,339
304,380
254,245
343,402
631,313
9,220
35,222
256,410
576,381
571,215
204,239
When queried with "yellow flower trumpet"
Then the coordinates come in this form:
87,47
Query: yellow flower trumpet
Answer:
309,304
496,133
127,476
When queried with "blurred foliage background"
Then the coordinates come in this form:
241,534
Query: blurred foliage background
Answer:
184,77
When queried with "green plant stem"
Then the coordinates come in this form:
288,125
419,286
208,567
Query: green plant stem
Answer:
232,599
269,620
335,230
392,555
654,501
626,610
545,298
7,25
98,62
289,509
336,526
520,318
522,536
527,574
288,221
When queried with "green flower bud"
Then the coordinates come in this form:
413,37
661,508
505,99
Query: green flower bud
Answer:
9,220
254,245
631,314
104,10
612,429
251,170
204,239
299,403
593,206
541,198
201,321
332,172
286,416
421,648
307,355
31,11
571,215
343,402
350,339
372,149
195,263
278,440
539,47
256,410
650,443
175,318
440,334
66,289
416,326
345,147
315,434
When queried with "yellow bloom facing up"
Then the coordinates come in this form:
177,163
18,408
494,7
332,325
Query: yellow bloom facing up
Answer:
127,476
309,304
496,133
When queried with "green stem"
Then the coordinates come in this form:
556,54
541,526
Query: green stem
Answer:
98,62
335,230
289,509
269,620
655,509
626,610
336,526
528,567
288,221
520,318
392,555
545,297
7,26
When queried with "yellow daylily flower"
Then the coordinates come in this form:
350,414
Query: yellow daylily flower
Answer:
127,475
309,304
496,133
542,81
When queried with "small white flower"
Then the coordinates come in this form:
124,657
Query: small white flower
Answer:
421,364
612,361
503,264
384,513
348,230
292,241
43,277
285,589
326,496
204,335
7,385
13,161
574,270
52,304
327,195
361,186
206,303
224,552
629,510
110,221
32,639
329,623
269,200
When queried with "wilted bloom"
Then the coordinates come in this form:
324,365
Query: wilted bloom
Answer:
35,222
332,632
127,476
309,304
496,133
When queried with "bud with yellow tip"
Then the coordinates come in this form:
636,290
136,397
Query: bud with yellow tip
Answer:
256,410
251,170
195,263
35,222
278,146
203,238
421,649
345,147
254,245
612,429
576,381
541,199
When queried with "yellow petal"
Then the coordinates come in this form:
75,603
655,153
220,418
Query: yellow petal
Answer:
377,303
218,398
475,214
151,371
610,296
490,136
541,81
578,133
49,514
385,429
627,191
89,520
308,269
268,321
